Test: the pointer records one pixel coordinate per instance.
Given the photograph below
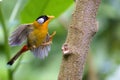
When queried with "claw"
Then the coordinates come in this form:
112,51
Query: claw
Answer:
50,40
52,35
46,43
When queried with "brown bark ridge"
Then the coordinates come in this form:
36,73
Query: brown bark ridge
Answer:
82,29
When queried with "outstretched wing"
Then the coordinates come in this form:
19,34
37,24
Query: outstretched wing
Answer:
20,34
42,51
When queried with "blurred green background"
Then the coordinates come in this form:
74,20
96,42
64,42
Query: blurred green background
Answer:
103,59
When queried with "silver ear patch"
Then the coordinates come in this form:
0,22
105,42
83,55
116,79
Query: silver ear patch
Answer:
41,20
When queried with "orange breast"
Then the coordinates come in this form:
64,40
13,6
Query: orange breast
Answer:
38,35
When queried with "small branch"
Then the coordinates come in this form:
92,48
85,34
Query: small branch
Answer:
82,29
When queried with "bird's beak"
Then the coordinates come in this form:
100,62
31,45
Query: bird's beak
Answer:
51,17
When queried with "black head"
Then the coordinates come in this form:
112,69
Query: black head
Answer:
42,19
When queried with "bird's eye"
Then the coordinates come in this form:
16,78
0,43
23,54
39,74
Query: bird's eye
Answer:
41,20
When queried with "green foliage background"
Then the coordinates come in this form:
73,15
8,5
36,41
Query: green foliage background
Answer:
105,47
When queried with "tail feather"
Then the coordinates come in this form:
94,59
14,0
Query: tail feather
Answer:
12,60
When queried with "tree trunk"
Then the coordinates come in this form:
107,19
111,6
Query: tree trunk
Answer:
80,33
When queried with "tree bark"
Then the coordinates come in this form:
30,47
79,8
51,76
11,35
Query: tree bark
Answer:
80,32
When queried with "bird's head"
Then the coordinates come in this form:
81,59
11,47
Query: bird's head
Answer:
44,19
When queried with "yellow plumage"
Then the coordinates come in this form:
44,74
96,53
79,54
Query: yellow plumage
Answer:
38,39
38,35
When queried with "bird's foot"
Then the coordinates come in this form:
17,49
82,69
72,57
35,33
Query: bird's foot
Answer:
52,35
46,43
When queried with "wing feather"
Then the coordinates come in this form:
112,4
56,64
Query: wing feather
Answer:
20,34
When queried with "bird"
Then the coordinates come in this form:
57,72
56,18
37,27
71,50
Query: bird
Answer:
35,37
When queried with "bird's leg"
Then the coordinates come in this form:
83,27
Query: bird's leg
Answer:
46,43
49,40
52,35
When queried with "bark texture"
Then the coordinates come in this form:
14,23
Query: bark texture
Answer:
80,32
